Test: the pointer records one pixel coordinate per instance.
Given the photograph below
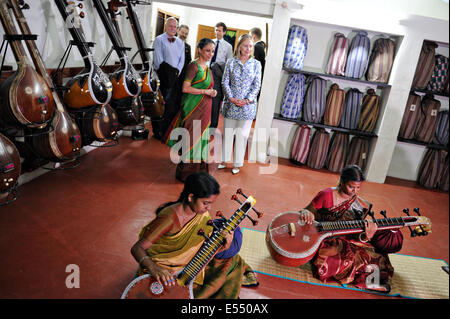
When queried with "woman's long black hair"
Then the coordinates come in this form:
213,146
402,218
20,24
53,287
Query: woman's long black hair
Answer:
200,184
203,42
352,173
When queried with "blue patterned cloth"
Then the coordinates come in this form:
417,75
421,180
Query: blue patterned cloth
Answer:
291,105
241,81
296,47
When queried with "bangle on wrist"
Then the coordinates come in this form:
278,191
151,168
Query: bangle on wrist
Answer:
143,258
363,237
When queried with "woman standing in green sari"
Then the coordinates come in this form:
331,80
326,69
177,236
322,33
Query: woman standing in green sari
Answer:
195,113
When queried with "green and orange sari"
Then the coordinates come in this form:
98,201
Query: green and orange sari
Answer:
195,117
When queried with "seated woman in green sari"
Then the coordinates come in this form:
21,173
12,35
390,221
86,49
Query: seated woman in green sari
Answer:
171,240
195,111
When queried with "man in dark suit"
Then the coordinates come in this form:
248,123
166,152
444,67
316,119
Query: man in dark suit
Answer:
183,32
260,47
222,52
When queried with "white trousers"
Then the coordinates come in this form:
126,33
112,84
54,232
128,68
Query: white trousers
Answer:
241,130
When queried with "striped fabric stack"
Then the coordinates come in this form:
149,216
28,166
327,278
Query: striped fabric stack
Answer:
334,106
352,109
370,109
300,145
358,56
315,100
337,152
318,149
381,60
338,55
427,122
441,135
443,184
358,152
410,117
431,168
425,65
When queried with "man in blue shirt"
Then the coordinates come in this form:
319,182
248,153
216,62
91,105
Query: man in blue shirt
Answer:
168,60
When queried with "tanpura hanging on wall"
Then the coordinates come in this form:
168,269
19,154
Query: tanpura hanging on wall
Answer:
61,142
26,97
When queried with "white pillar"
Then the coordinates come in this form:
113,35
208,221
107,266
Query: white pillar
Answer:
271,81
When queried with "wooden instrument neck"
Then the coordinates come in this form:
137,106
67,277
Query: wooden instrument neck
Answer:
69,14
212,245
10,29
137,32
110,29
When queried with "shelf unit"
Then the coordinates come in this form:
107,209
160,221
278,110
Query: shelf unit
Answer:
338,77
429,145
278,116
411,150
320,38
436,94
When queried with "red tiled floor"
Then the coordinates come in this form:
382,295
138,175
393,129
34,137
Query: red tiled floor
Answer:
91,215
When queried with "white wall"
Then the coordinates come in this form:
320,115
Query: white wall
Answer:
192,17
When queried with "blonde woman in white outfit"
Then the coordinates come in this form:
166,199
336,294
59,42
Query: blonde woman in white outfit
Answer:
241,83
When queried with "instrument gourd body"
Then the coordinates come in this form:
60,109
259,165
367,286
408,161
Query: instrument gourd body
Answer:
60,141
10,165
27,98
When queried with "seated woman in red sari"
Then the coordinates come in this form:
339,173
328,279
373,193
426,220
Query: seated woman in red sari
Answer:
195,113
171,240
351,259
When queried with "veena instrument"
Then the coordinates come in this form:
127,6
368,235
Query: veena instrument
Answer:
26,98
151,96
293,243
90,91
146,287
125,80
91,86
130,110
60,141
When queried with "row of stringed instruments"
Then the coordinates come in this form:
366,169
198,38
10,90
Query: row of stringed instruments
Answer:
45,120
